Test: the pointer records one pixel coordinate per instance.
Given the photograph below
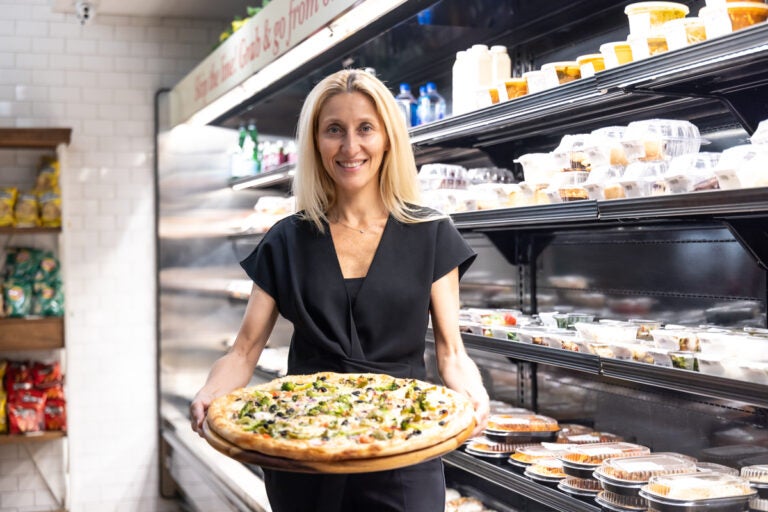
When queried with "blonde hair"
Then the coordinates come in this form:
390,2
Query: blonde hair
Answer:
398,183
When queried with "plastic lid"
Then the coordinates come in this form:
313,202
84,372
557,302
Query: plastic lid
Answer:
530,454
758,473
594,454
521,423
551,468
698,486
641,7
716,468
498,48
642,468
480,47
405,88
431,86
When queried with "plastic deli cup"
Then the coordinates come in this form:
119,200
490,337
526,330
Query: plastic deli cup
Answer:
733,16
645,46
563,72
648,17
681,32
616,53
516,87
590,64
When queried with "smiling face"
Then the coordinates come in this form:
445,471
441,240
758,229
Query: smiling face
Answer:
352,140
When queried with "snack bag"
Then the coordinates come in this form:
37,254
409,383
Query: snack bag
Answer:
23,263
26,210
47,299
48,175
53,391
55,414
17,372
7,204
44,374
26,411
3,407
48,268
18,298
50,208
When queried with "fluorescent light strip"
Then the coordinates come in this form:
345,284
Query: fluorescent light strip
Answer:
354,20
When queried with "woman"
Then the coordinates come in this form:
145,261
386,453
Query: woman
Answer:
358,272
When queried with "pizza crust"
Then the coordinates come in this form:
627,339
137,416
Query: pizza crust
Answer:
374,409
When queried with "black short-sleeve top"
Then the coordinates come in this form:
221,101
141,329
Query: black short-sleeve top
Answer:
383,330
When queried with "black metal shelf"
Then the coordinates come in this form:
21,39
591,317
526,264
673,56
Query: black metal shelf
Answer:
587,363
630,371
502,477
705,75
686,381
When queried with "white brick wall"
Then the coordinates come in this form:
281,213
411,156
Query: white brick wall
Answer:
100,80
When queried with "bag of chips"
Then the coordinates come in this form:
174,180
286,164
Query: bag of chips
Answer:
7,204
48,299
23,263
3,399
26,411
55,413
26,210
50,208
18,298
47,175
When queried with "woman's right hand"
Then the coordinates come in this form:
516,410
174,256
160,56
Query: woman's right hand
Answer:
198,409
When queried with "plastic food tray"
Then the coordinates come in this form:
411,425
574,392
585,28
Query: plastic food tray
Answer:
698,492
590,456
617,502
488,449
582,487
758,478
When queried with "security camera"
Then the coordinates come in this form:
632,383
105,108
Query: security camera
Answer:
84,11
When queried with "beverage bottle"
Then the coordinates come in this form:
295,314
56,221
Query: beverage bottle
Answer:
257,148
436,102
478,75
424,106
501,65
459,92
407,104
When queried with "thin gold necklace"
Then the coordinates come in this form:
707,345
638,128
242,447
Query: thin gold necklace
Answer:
361,231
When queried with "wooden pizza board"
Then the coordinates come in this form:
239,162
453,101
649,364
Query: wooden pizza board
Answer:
338,466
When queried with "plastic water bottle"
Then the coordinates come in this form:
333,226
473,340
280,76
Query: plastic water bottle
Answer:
436,102
408,105
424,106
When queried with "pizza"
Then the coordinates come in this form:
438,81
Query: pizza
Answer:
339,416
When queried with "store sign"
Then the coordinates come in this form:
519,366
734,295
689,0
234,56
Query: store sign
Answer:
280,26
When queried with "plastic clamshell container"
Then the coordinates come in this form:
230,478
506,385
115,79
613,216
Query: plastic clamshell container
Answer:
632,470
607,332
643,179
482,447
590,64
570,186
538,167
682,32
529,454
743,166
616,53
758,478
643,353
592,455
581,487
660,139
580,152
734,16
522,423
644,327
676,339
649,17
599,177
692,172
713,467
698,491
563,72
546,468
591,438
616,502
644,46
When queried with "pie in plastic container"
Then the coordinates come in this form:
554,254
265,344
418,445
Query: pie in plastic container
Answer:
758,478
521,428
626,475
698,492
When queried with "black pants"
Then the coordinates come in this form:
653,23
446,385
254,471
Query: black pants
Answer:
419,488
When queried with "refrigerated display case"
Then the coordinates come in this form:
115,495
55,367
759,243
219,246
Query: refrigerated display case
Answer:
691,259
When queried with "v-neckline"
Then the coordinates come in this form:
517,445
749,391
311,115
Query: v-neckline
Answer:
371,267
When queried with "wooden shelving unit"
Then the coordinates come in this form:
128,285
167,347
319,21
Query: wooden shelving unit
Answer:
37,437
34,138
6,230
31,333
